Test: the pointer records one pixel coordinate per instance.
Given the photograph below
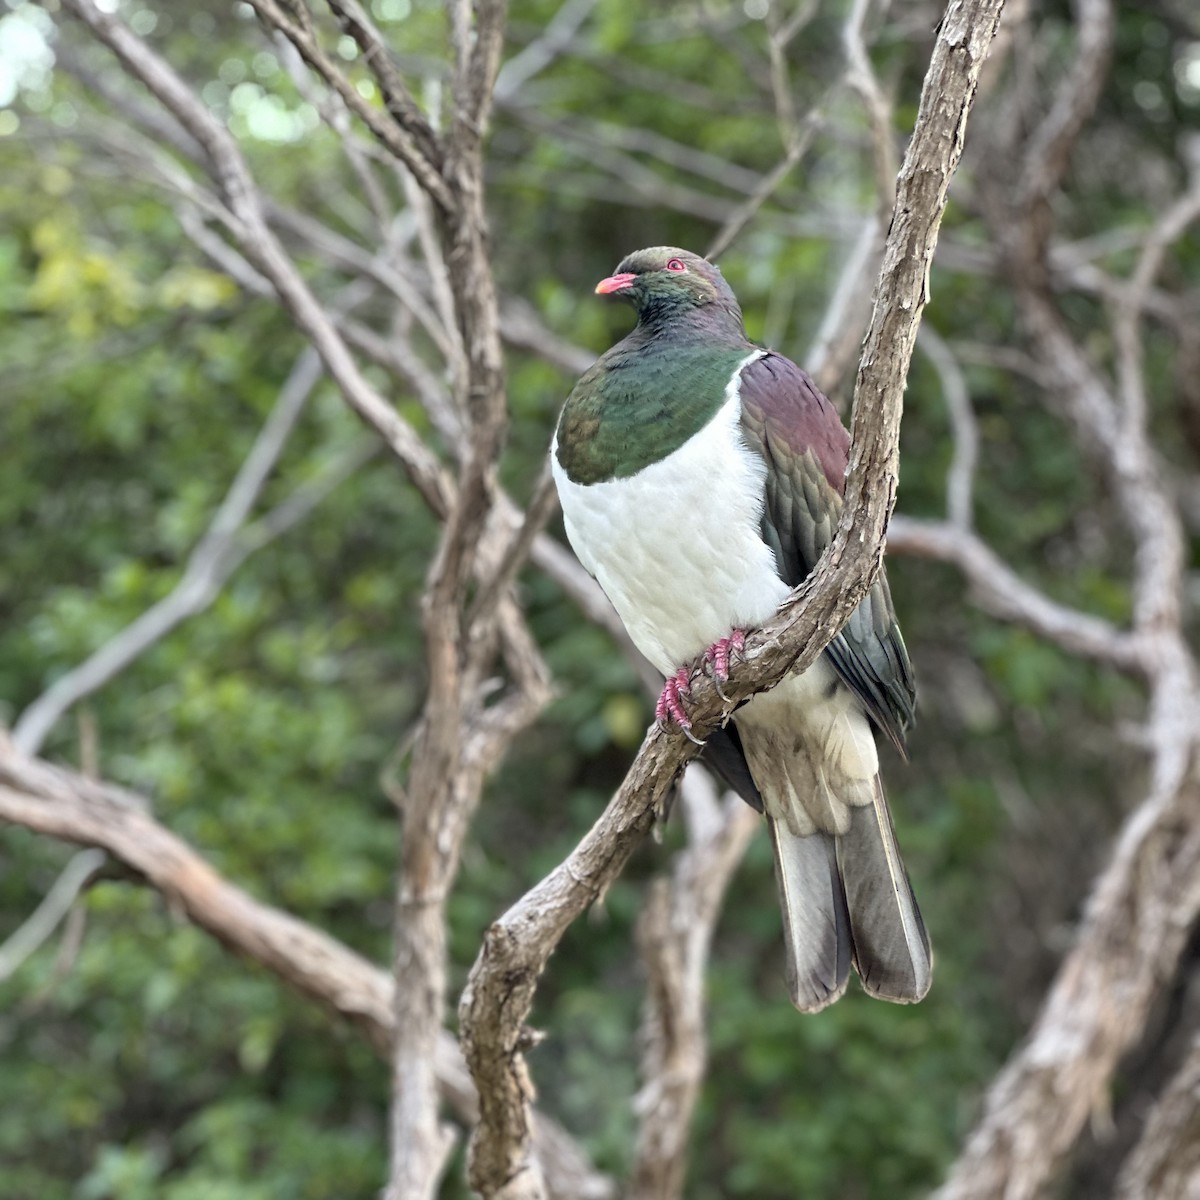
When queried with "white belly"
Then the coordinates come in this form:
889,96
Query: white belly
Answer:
677,547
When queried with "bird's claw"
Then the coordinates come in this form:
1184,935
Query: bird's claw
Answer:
718,656
670,705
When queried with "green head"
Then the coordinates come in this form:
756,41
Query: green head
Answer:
666,285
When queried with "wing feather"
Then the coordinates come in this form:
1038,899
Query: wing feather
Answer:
787,419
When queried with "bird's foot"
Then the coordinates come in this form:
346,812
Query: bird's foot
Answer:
670,704
719,654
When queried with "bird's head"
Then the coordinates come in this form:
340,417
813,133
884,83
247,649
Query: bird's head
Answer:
665,283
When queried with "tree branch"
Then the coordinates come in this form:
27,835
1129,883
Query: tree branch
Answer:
997,589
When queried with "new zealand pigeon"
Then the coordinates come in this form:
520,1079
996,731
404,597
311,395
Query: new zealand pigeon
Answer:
701,477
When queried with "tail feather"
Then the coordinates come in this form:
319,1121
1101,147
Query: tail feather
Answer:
816,924
891,947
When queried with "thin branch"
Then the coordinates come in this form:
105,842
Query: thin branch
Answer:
413,142
744,213
1000,591
862,78
1075,102
960,478
553,41
840,333
398,100
338,119
39,926
1136,924
521,326
1132,302
542,505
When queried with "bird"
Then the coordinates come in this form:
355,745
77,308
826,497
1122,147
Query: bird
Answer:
700,477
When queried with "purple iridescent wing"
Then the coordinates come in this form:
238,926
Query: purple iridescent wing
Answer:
787,420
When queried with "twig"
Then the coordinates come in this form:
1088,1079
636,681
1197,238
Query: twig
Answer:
862,78
39,926
1001,592
1132,302
534,58
338,118
960,478
409,138
839,336
542,504
742,215
397,98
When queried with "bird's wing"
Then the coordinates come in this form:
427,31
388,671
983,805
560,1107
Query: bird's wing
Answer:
787,420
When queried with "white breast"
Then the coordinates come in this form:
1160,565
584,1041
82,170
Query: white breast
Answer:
677,547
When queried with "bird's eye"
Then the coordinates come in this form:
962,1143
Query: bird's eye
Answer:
676,264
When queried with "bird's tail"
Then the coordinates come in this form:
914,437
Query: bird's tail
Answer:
846,898
816,924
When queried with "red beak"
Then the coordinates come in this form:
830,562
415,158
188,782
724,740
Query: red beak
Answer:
615,283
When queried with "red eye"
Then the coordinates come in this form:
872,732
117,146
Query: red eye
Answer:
676,264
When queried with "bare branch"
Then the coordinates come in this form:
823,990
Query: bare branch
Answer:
1000,591
39,926
1147,898
553,41
413,142
1075,101
829,355
542,504
1132,303
960,478
862,79
1136,924
742,215
398,100
521,326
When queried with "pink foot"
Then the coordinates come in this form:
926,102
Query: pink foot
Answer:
719,654
670,705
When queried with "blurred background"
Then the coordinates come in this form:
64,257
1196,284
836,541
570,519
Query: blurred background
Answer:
138,363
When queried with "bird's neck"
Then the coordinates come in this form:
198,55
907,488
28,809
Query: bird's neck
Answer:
718,322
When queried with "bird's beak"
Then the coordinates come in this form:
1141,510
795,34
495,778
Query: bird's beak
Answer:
615,283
